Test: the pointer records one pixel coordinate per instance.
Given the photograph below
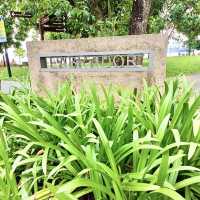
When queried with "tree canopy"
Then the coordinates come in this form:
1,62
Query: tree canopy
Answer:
86,18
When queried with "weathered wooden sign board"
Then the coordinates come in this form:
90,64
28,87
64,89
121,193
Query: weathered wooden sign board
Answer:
105,60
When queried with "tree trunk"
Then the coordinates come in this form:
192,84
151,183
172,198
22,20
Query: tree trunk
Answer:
139,17
139,20
4,61
189,50
72,2
96,10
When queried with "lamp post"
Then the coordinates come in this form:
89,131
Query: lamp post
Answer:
7,61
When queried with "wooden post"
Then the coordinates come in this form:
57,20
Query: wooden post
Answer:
41,30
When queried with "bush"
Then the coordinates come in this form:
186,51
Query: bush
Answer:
121,145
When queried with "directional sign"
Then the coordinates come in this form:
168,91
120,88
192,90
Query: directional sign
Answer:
2,31
20,14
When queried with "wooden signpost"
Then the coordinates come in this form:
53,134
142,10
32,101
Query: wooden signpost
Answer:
47,23
51,23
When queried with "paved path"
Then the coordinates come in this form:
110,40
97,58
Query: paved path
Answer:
194,79
8,86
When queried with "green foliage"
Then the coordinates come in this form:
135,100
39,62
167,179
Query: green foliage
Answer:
4,7
100,17
156,21
197,45
183,15
79,19
20,52
120,145
156,24
186,18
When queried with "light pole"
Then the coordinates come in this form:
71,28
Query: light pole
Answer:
7,62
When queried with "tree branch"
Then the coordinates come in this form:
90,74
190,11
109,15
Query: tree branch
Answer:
71,2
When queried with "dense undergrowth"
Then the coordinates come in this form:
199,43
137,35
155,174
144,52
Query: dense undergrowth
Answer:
114,144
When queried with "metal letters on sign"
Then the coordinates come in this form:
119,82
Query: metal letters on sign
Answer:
2,31
92,60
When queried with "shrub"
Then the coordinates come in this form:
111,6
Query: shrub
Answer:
120,145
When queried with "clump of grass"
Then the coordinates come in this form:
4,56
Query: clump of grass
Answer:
144,145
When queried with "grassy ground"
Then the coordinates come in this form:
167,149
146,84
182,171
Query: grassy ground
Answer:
183,65
18,73
175,66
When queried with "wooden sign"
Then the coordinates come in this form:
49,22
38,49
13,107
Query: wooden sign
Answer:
51,23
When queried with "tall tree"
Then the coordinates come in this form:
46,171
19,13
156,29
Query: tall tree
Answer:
139,20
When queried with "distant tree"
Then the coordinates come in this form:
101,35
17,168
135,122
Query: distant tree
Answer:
20,52
197,45
185,16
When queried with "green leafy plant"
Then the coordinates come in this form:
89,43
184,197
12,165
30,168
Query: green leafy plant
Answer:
114,144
